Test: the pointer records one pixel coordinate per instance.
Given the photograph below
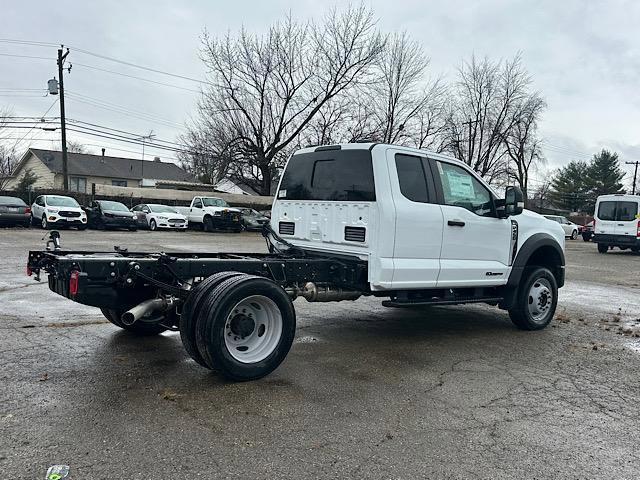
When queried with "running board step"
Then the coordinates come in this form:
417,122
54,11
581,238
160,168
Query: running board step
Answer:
440,301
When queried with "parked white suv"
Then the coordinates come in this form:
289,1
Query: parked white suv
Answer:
57,210
571,230
617,222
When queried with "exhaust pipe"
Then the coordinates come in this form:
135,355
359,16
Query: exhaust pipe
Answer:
326,293
136,313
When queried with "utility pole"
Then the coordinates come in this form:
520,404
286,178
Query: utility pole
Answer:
63,127
144,139
635,175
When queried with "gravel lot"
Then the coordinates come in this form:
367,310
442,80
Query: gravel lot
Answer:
366,392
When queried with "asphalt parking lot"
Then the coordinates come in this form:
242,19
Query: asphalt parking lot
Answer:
366,391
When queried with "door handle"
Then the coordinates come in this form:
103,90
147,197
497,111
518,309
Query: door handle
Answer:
455,223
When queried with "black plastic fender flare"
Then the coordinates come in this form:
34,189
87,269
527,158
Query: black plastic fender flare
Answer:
528,248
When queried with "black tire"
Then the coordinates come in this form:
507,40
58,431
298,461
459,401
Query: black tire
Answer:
153,226
44,223
542,280
139,328
133,229
207,224
216,308
191,310
586,237
603,248
82,227
574,235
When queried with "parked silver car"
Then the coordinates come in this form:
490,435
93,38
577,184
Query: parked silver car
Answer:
570,229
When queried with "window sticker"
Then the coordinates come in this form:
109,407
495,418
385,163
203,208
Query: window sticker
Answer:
282,194
460,185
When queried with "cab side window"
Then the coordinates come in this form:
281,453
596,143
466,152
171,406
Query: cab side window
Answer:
197,203
461,189
412,178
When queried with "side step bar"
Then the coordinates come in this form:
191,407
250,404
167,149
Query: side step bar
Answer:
439,301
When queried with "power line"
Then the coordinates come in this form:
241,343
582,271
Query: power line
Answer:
76,64
23,56
134,65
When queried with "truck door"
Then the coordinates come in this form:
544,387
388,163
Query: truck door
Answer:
418,227
476,244
196,212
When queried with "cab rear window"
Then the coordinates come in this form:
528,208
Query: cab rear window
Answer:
338,175
618,211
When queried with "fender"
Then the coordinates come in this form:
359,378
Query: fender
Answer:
527,250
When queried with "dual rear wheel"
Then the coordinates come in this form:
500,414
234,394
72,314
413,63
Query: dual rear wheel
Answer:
240,325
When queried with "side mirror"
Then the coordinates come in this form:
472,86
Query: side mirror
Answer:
513,201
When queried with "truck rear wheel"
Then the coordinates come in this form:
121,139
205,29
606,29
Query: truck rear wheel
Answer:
603,248
141,328
245,327
191,310
536,300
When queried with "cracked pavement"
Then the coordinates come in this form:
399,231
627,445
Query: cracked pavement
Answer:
366,392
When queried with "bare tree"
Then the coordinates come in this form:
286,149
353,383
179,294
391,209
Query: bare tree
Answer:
265,90
8,158
483,112
76,147
522,143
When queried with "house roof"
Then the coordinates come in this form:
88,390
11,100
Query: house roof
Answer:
83,164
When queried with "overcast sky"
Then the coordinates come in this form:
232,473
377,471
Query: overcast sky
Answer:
584,57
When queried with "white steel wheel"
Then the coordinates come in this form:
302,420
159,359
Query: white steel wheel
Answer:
253,329
540,300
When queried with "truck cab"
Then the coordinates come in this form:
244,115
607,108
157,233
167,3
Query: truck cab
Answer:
212,213
421,220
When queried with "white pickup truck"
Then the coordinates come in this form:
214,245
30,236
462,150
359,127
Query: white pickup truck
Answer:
213,213
408,226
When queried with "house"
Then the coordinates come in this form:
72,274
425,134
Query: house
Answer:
85,169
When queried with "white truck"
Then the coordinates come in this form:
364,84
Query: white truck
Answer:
408,226
213,213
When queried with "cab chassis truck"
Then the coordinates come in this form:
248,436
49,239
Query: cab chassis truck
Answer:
348,220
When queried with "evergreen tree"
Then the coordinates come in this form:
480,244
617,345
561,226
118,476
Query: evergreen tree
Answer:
605,174
27,180
570,187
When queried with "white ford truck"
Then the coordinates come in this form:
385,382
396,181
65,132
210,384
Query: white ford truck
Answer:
408,226
212,213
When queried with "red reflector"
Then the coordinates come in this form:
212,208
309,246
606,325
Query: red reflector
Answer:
29,271
73,282
27,211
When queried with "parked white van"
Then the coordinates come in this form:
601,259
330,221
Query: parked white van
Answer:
617,222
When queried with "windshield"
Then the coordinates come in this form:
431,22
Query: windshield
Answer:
62,202
11,201
114,206
162,209
214,202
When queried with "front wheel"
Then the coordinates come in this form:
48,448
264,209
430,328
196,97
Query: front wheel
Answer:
574,235
536,300
153,226
245,327
44,223
603,248
208,224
